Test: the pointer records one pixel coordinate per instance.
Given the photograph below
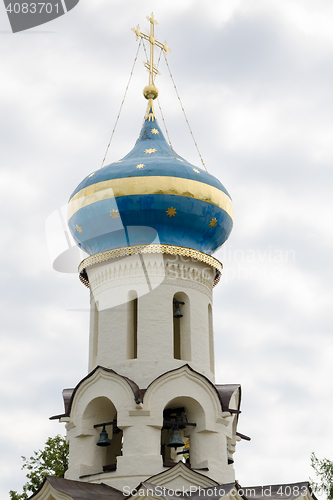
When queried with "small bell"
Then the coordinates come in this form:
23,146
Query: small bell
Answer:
175,440
103,438
230,457
177,313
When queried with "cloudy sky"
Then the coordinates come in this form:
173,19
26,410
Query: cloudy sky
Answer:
256,79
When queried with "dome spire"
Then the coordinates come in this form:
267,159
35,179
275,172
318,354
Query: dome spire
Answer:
150,92
154,192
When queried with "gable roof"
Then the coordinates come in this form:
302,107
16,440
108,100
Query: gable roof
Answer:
79,490
288,491
213,493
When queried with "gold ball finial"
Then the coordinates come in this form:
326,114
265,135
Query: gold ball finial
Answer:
150,91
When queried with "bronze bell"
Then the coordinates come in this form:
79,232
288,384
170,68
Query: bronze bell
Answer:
103,438
177,313
175,440
230,457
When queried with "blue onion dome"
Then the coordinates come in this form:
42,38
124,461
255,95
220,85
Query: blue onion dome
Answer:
152,195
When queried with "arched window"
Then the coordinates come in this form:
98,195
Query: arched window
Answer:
171,455
100,459
181,327
95,320
186,410
132,325
211,339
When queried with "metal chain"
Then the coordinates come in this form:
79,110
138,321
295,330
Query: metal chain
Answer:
167,133
196,145
121,106
158,62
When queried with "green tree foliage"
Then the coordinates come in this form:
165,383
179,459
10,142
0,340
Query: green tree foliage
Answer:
324,471
51,461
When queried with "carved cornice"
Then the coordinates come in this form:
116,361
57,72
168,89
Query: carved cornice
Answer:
188,253
158,273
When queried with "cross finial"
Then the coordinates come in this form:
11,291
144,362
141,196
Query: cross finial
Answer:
151,19
150,91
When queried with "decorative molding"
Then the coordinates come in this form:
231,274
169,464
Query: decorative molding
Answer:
152,184
139,413
87,390
194,285
70,426
151,249
183,275
184,372
181,471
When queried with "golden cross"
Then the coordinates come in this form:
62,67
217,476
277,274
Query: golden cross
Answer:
152,41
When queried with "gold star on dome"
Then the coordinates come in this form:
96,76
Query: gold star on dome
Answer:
114,214
138,137
78,228
196,170
150,150
213,222
179,159
171,212
91,174
141,165
154,131
119,161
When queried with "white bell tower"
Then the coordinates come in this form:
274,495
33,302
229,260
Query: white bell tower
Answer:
149,406
148,367
140,336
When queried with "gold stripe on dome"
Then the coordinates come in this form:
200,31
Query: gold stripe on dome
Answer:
144,249
129,186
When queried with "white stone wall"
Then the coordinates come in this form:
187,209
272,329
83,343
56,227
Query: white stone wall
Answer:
106,395
155,280
155,284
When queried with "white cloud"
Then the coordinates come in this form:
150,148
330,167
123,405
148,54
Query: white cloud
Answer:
261,114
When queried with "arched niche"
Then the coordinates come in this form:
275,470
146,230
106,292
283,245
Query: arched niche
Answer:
189,411
211,339
182,328
95,319
132,325
101,410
